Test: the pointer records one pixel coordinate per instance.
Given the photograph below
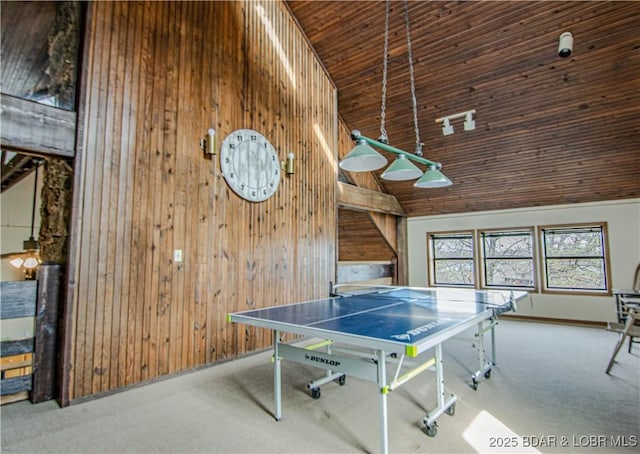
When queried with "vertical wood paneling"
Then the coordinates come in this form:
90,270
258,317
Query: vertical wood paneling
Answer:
157,76
130,328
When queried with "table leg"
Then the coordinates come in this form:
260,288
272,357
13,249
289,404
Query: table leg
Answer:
277,375
484,367
445,405
382,389
493,343
619,311
440,376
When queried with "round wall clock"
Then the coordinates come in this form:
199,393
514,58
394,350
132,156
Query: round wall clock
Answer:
250,165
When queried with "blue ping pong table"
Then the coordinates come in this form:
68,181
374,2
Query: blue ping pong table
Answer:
361,331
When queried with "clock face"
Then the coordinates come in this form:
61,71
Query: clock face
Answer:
250,165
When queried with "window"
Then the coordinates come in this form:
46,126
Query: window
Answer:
575,258
451,259
507,258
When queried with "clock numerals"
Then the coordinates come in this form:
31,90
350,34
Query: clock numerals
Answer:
250,165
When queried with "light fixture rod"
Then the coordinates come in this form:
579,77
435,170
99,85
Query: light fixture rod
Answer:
455,116
355,135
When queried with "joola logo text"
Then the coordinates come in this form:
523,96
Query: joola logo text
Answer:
420,329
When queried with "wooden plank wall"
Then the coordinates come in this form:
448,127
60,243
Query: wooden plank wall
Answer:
156,76
359,239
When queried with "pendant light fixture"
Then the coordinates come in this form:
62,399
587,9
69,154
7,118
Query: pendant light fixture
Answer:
364,158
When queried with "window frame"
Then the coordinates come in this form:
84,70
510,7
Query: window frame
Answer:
431,259
482,259
606,260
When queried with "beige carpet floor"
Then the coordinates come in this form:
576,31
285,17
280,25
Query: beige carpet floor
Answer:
547,393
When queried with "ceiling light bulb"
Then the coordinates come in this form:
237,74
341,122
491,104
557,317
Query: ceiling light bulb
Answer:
17,262
31,262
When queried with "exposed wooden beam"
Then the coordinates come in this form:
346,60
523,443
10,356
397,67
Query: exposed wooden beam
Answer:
386,225
16,168
356,198
37,128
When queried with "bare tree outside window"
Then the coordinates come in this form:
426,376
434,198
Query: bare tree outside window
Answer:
575,258
453,259
508,259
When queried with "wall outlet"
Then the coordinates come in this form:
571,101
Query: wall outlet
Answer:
177,255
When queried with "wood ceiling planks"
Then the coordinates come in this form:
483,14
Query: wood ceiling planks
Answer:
25,31
548,130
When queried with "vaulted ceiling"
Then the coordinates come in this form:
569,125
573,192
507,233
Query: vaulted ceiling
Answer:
549,130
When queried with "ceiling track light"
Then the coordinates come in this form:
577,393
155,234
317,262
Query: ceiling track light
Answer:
447,127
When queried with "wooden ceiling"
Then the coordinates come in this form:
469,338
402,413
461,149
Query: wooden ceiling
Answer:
25,50
549,130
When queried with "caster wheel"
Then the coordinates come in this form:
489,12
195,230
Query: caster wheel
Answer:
342,380
451,410
474,385
432,430
315,393
487,374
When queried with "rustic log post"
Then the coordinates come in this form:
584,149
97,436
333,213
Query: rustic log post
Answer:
46,334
